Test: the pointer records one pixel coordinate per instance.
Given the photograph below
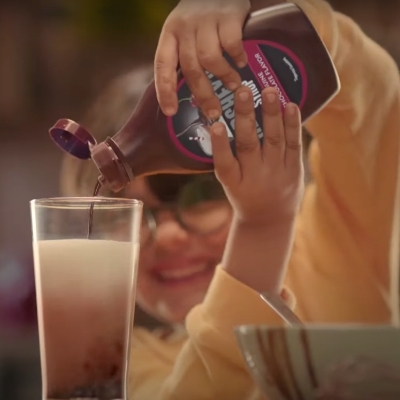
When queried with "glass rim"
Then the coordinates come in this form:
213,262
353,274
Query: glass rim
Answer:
105,203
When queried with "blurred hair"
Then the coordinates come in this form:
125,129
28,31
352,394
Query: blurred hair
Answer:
104,118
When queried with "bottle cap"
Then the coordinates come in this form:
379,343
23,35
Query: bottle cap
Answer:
73,138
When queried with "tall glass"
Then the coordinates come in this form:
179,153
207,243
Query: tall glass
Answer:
85,284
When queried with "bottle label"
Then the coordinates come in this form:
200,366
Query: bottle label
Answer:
270,65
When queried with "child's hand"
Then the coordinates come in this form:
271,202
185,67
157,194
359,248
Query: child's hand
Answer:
264,184
193,36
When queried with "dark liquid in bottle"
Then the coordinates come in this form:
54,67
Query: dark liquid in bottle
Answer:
90,221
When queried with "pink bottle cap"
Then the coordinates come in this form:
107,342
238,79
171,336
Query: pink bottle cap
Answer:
72,138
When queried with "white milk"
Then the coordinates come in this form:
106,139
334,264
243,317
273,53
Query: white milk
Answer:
85,291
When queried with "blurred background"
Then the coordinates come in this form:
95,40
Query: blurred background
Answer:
55,56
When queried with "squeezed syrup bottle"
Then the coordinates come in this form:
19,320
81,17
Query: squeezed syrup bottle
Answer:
284,51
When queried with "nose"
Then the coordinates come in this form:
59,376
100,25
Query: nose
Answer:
170,236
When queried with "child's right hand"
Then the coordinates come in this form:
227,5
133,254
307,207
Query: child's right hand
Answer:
264,183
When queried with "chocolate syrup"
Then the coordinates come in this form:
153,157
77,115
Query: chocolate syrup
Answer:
90,221
284,51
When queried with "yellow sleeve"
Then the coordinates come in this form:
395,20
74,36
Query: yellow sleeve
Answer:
209,364
340,269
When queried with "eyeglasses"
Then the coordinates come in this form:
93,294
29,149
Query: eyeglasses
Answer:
204,219
197,203
200,207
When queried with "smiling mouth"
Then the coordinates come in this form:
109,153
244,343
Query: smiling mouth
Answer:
179,275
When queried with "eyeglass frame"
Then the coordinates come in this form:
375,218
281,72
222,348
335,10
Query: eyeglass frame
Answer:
152,224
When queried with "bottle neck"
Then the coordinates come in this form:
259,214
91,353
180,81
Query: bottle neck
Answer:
115,172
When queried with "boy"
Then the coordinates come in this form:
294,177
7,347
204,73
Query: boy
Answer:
177,265
339,265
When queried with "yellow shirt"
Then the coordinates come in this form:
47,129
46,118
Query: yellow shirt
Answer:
339,269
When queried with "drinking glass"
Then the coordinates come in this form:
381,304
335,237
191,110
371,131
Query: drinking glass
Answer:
85,255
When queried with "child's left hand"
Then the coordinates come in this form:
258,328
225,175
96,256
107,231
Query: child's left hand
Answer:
193,36
264,183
